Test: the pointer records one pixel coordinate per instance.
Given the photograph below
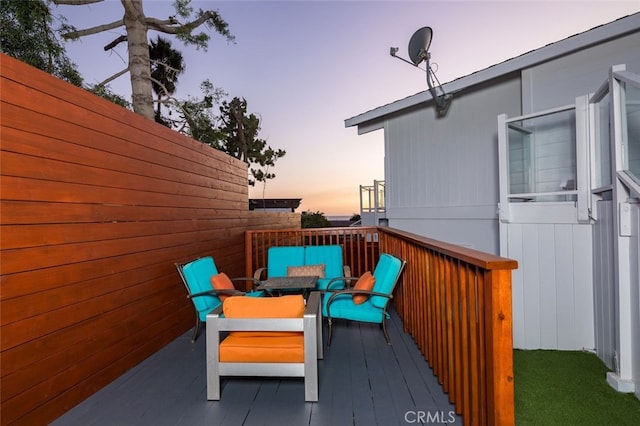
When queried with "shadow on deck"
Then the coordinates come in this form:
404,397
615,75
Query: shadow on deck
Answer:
362,381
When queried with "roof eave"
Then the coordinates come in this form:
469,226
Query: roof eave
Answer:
618,28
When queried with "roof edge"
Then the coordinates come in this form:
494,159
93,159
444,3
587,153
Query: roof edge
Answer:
615,29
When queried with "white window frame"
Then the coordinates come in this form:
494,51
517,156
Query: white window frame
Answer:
542,212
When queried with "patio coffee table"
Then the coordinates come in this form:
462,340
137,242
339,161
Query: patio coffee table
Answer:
279,284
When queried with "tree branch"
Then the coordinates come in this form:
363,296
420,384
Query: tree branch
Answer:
76,2
93,30
166,66
113,77
172,26
164,89
115,42
164,25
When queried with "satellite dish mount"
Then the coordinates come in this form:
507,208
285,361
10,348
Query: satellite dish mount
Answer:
418,53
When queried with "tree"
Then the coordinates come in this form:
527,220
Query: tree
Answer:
166,64
314,220
241,140
233,132
355,217
196,117
106,93
26,34
136,26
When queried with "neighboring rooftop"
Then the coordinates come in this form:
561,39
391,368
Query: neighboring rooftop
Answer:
280,204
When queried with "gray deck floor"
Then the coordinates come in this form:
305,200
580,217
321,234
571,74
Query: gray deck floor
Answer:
362,381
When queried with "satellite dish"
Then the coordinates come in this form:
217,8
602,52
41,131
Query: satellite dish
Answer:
419,45
418,52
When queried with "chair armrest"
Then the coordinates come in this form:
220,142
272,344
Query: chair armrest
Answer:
351,291
258,273
346,278
215,293
336,293
253,280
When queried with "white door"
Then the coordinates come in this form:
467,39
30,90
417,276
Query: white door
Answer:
570,214
545,225
615,114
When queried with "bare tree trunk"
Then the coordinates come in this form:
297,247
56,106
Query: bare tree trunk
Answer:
139,64
239,116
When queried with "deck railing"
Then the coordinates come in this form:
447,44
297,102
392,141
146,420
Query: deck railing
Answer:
454,301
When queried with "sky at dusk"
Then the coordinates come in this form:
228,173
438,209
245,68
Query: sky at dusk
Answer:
306,66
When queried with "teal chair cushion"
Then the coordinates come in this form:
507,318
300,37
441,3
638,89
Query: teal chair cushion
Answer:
342,306
386,274
331,257
280,258
198,276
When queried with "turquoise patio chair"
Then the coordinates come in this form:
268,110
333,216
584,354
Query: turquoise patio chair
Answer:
196,277
340,304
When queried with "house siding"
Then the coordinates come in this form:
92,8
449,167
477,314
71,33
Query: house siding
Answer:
552,293
434,188
559,81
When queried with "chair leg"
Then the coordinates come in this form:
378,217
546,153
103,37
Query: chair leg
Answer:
330,334
212,336
196,329
384,330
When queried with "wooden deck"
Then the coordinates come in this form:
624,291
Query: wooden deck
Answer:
362,380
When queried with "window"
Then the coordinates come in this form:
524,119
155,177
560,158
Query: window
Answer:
542,157
602,173
631,130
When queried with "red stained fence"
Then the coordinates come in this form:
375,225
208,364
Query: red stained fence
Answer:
97,203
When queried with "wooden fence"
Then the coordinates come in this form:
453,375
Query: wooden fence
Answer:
97,203
454,301
275,220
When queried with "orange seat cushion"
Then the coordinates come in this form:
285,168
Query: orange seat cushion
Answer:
222,282
236,348
365,282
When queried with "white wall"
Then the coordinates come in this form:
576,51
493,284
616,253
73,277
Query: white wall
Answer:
552,287
442,182
558,82
442,174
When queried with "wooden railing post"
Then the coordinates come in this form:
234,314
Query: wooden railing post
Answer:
248,256
499,338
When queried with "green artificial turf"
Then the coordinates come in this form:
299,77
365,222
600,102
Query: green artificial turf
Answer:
568,388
